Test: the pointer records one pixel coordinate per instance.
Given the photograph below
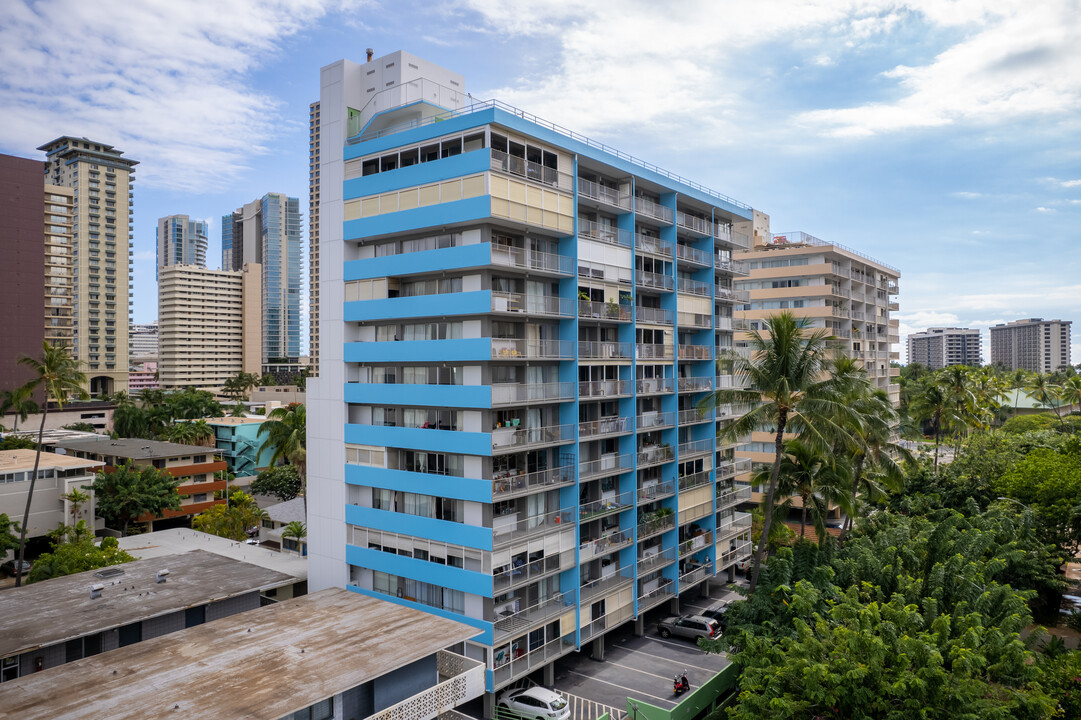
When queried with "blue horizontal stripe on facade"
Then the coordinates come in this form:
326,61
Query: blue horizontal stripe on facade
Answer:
469,163
484,628
476,302
467,256
419,134
463,396
416,482
451,441
457,350
429,216
471,536
467,581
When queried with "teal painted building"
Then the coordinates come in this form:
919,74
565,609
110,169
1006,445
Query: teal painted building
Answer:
239,441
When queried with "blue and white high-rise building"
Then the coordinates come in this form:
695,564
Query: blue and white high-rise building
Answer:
517,327
181,241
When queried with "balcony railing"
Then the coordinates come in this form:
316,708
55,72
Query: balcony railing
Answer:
655,561
695,352
695,575
656,526
694,480
692,416
693,545
694,223
506,485
544,305
603,426
655,454
650,207
604,194
522,437
653,245
609,620
610,234
693,256
701,321
735,496
511,623
733,555
602,388
531,170
722,292
525,259
653,420
594,350
656,596
730,527
518,393
527,572
743,240
509,529
695,384
736,267
510,668
657,281
695,447
604,545
695,287
604,310
606,465
654,352
656,491
606,585
460,679
654,316
509,348
655,386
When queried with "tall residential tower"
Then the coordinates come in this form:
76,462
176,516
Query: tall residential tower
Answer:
313,237
516,328
940,347
101,181
1031,344
181,241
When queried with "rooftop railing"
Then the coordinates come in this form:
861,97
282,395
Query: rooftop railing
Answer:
801,238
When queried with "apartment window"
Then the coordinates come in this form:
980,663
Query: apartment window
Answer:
322,710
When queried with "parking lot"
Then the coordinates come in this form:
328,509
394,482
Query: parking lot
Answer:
640,668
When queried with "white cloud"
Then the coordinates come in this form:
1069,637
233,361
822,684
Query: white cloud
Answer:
1044,209
1070,183
967,195
165,82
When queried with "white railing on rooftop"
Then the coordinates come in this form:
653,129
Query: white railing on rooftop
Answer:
801,238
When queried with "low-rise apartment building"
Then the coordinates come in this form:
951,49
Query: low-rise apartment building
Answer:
239,441
194,466
57,476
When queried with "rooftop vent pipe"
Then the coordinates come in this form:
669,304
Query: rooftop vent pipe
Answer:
370,54
162,576
95,591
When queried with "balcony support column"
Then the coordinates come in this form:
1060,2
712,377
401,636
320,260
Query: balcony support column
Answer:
550,675
597,652
489,705
731,573
673,605
640,626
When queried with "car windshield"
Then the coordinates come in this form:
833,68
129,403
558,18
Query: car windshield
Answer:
559,703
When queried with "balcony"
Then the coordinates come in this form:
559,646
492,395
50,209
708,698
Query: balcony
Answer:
606,585
594,350
512,528
735,267
655,524
655,420
506,485
527,393
695,287
690,449
603,194
698,321
892,289
604,311
655,455
729,469
531,260
654,281
728,294
692,416
656,596
539,305
693,545
695,352
696,575
602,389
733,526
651,562
507,668
514,349
694,480
695,384
742,240
693,256
654,316
652,245
734,496
652,208
512,623
609,620
734,555
532,171
655,386
604,427
525,572
656,491
608,234
604,545
654,352
611,464
521,438
695,224
460,679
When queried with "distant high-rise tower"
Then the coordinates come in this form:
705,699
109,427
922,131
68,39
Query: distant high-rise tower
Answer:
181,241
940,347
313,237
1031,344
267,231
101,181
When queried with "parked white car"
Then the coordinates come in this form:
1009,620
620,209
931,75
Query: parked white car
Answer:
535,703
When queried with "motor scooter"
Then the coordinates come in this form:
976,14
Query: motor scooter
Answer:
681,685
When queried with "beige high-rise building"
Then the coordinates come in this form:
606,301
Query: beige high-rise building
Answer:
101,183
1031,344
313,238
59,269
940,347
208,325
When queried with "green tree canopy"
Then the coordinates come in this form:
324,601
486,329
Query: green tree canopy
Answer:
129,492
15,442
9,538
281,481
70,558
233,520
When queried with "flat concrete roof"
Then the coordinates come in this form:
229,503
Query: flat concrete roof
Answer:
235,420
52,611
11,460
263,663
163,543
135,448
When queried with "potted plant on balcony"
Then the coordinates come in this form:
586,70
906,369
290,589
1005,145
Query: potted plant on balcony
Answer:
613,308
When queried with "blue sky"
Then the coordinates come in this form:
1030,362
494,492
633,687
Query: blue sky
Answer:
942,137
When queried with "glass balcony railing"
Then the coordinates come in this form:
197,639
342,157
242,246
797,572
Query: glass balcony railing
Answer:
518,393
603,427
508,484
611,464
603,193
602,388
653,316
654,386
594,350
652,245
525,259
542,305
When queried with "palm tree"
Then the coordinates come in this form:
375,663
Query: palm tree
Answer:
786,387
58,374
989,388
932,404
956,381
77,498
1070,392
19,401
131,421
296,530
204,434
286,431
875,461
1045,393
817,480
179,432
